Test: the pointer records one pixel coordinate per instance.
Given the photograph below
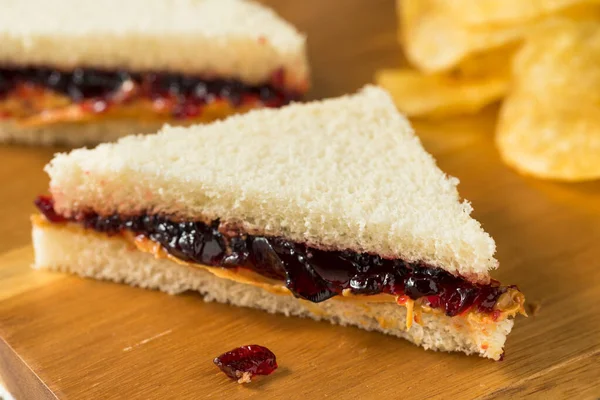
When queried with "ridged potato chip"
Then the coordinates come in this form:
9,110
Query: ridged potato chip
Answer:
416,94
488,64
549,125
502,12
435,41
476,82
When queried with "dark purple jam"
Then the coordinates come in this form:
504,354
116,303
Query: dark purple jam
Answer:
309,273
188,92
252,359
46,206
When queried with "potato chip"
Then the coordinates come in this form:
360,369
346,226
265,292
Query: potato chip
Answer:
549,125
435,41
493,63
416,94
478,81
495,12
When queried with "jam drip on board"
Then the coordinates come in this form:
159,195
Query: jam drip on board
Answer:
188,93
309,273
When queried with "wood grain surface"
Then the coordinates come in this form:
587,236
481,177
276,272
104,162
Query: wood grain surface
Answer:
65,337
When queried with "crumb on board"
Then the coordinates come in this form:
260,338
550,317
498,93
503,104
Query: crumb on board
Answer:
246,377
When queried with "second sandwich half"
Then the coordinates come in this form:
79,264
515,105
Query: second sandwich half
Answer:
82,72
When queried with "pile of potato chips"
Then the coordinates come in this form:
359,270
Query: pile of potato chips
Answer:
542,57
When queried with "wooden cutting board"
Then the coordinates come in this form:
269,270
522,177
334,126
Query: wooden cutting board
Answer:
67,337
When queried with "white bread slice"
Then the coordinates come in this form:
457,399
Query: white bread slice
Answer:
345,173
230,38
93,255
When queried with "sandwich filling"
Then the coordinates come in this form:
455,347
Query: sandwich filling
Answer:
35,96
308,272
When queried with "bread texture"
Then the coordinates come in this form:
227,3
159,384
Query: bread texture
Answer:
93,255
346,173
225,38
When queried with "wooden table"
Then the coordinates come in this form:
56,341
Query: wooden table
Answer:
80,339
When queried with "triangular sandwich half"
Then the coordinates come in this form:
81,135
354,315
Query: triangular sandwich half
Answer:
330,209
